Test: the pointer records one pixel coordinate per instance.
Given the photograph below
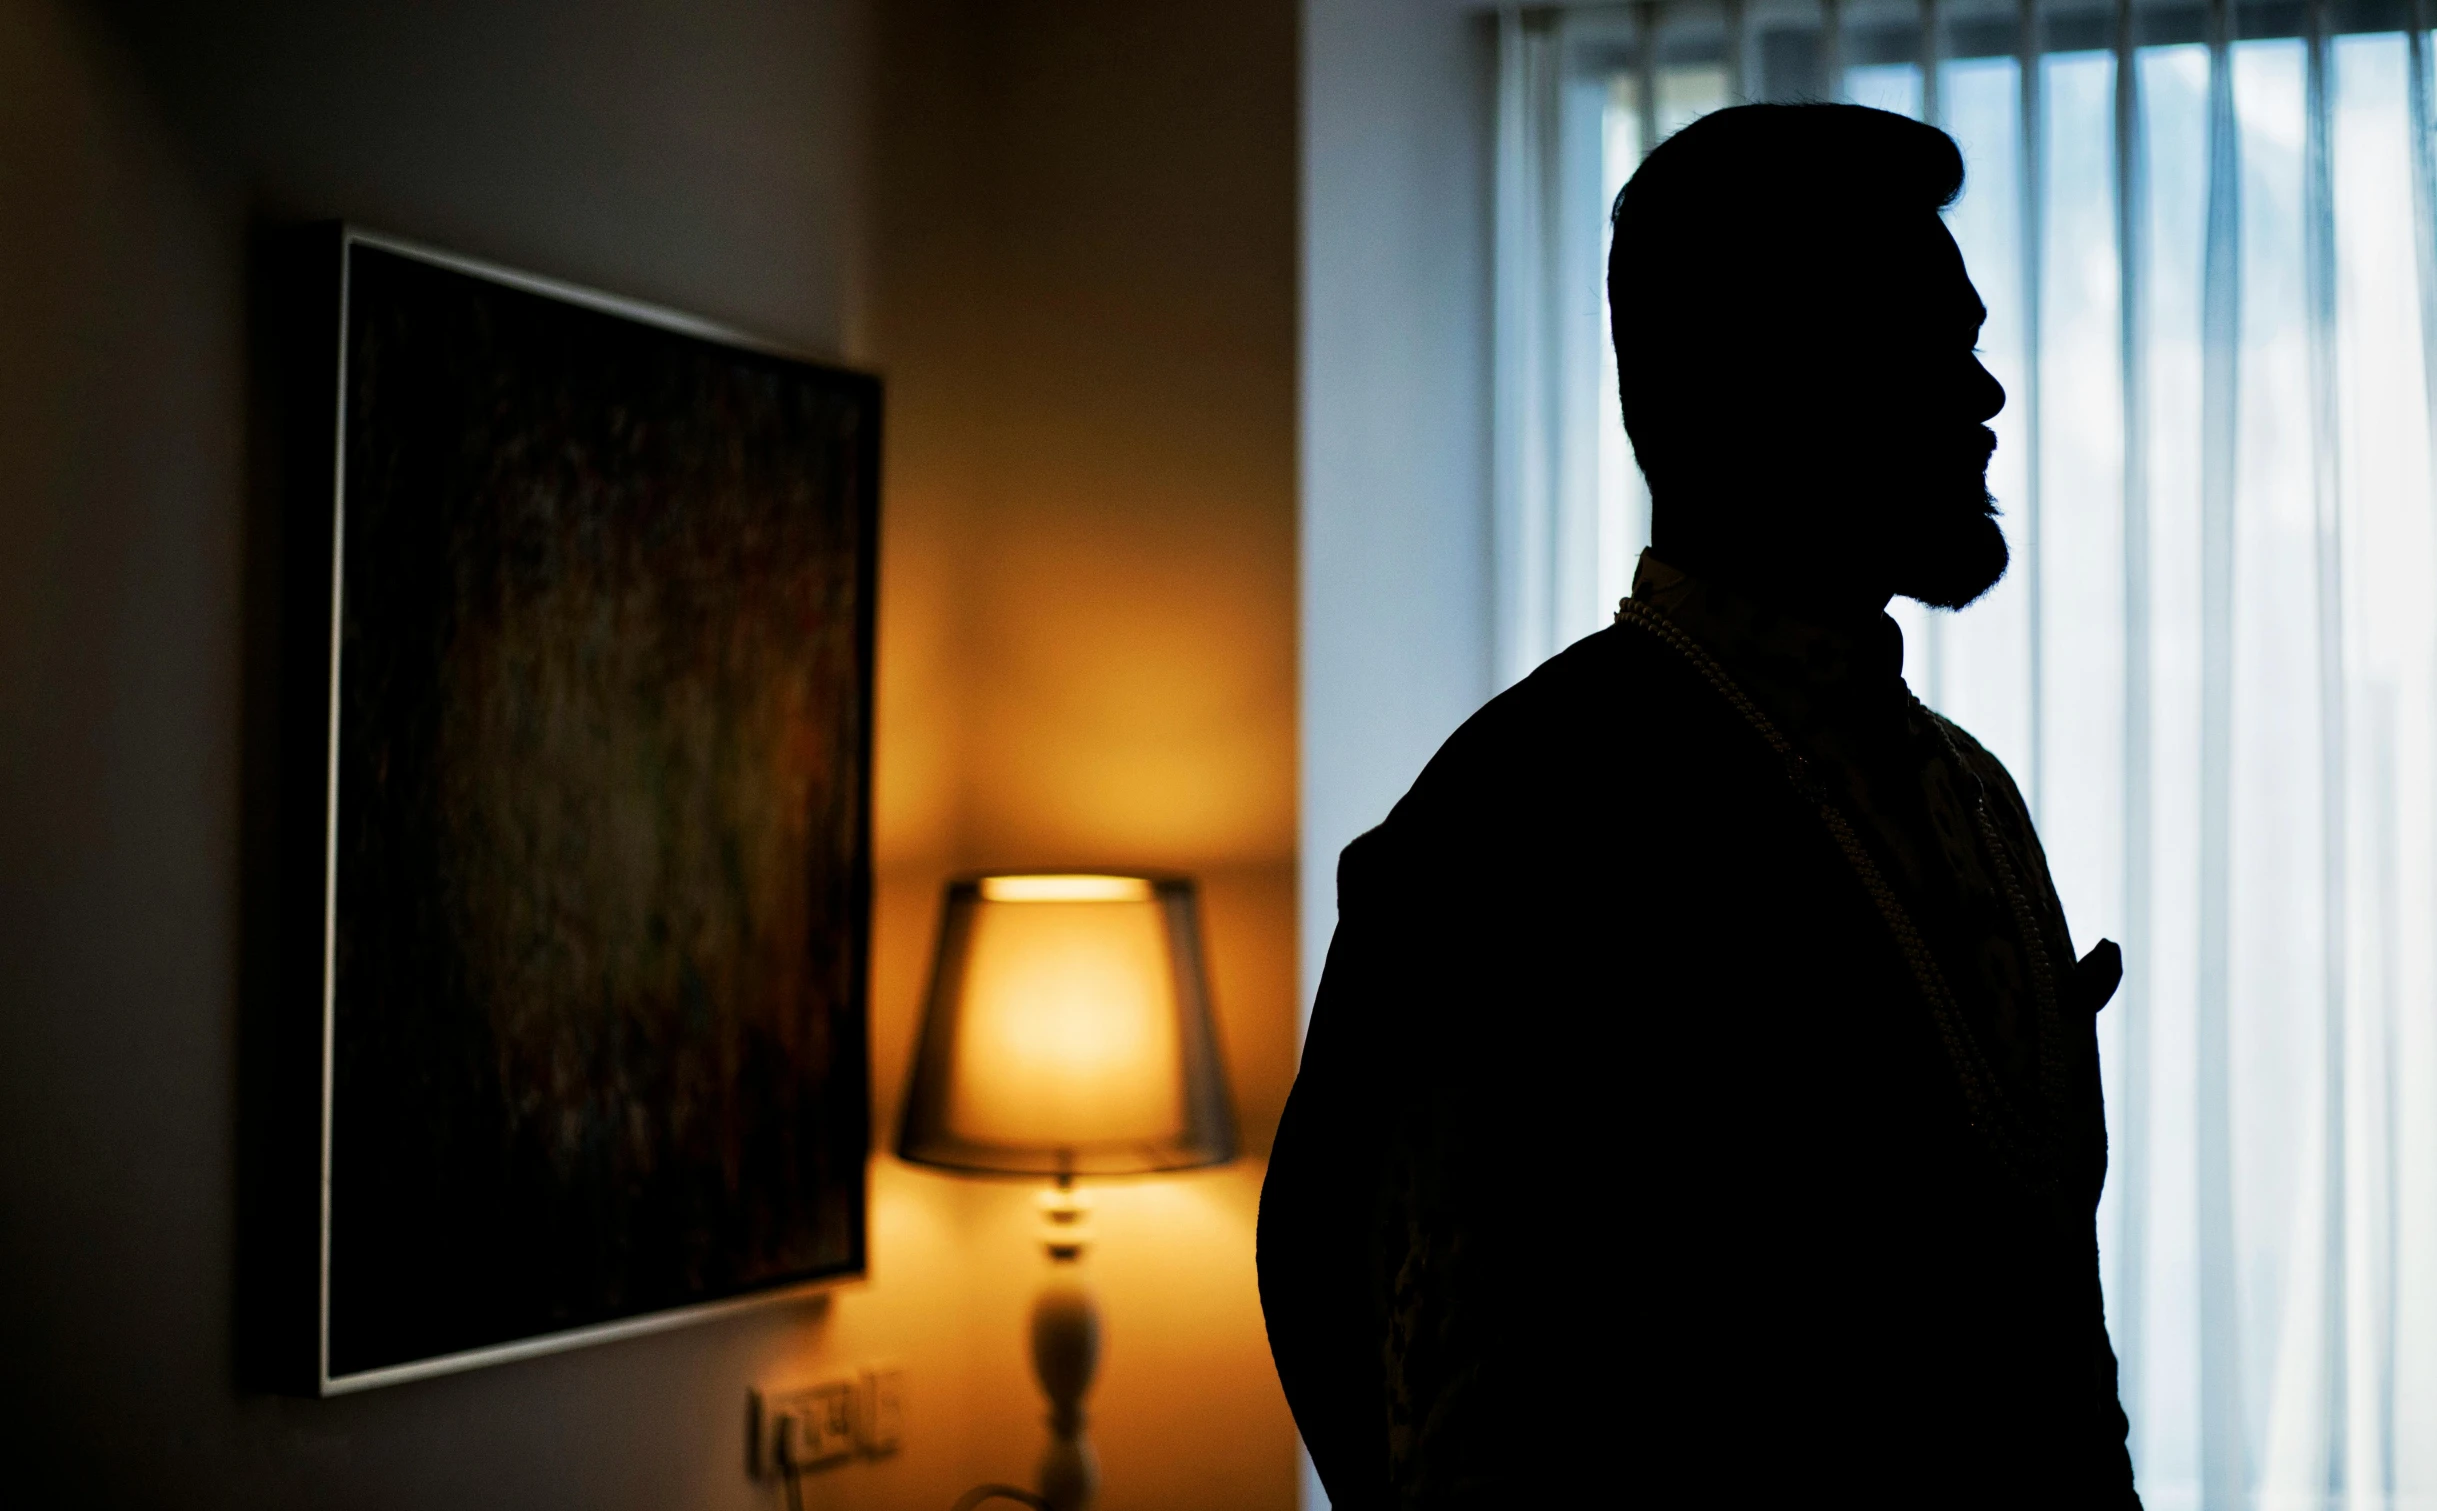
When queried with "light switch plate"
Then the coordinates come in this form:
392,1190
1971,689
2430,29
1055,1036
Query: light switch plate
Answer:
882,1420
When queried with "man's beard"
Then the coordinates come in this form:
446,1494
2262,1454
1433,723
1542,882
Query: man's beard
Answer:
1951,551
1951,556
1908,516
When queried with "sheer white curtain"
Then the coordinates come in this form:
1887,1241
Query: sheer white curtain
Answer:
2207,237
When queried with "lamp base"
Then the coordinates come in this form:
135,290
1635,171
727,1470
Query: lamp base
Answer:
1070,1473
1065,1356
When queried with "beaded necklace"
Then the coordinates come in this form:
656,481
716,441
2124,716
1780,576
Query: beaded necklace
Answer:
2032,1152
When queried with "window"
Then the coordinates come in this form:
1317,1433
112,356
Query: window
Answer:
2206,238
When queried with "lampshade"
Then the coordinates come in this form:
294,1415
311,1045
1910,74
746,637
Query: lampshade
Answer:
1068,1032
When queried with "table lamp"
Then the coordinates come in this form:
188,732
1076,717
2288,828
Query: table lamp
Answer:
1067,1033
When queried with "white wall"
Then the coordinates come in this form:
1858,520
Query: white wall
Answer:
1395,432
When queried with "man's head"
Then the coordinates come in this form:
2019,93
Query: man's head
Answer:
1795,348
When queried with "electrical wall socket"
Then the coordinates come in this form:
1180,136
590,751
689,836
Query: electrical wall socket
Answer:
805,1426
810,1426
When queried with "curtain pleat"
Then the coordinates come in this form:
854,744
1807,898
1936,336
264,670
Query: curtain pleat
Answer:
2224,1469
1526,405
2129,1092
2333,1463
2421,97
2030,184
1646,75
1735,49
1932,59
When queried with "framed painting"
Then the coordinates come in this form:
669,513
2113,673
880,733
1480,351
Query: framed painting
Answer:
595,814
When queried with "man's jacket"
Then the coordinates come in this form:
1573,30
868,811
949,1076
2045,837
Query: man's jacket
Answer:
1634,1160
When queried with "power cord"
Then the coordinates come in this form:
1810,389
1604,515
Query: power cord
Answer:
965,1502
793,1477
981,1493
791,1474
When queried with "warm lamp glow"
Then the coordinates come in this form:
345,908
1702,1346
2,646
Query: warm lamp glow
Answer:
1065,889
1068,1031
1069,1027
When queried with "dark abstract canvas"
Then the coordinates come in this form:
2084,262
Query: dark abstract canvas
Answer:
599,861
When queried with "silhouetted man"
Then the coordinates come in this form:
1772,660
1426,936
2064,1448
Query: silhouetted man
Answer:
1701,1107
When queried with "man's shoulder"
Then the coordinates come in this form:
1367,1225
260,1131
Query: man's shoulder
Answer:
1983,763
1586,697
1615,714
2006,807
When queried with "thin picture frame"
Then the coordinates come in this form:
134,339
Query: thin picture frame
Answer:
317,286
